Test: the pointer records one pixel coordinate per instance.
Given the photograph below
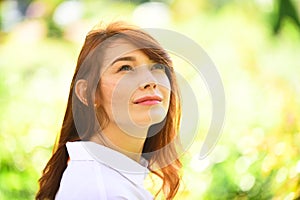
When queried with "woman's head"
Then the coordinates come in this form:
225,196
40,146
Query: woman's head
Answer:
122,73
135,90
125,67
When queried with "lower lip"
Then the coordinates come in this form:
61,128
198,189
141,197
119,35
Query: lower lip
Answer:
149,103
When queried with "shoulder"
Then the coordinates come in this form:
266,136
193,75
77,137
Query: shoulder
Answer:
82,180
88,178
91,180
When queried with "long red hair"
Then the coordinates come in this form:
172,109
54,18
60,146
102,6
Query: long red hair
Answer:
159,149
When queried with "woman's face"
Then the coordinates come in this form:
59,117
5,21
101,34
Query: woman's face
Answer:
135,90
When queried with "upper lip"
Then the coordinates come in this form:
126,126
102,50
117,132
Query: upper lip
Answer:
147,98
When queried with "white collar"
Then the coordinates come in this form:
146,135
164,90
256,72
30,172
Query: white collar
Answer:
130,169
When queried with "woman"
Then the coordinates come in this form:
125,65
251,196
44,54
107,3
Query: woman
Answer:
121,121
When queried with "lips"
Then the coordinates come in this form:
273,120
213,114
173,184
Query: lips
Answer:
148,100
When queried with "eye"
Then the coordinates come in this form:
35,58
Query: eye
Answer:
125,68
158,66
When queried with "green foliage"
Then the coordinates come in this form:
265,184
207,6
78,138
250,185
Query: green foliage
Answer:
53,29
261,78
285,9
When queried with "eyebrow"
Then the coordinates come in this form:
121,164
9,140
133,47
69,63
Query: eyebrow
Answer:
125,58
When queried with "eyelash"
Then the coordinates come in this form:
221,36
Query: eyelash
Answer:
153,67
123,66
161,67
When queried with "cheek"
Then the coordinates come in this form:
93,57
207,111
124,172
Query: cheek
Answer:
162,80
167,95
107,87
165,88
115,95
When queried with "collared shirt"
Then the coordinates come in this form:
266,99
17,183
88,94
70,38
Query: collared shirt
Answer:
97,172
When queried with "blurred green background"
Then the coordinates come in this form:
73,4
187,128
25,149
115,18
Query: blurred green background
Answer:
255,45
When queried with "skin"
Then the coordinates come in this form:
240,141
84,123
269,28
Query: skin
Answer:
136,94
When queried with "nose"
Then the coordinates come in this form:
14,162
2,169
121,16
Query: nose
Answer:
147,78
148,84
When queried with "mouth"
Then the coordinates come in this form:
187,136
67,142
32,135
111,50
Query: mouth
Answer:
148,100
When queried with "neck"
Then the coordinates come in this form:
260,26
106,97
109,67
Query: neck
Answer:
113,137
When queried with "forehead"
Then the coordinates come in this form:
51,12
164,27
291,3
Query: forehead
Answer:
119,48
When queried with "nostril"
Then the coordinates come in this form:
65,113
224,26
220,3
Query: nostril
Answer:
148,85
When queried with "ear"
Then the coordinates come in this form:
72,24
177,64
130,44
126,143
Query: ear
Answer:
80,91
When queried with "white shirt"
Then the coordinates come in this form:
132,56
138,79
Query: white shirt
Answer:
97,172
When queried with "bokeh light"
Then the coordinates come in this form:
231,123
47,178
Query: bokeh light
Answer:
254,47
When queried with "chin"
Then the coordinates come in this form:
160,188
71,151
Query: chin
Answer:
148,121
153,116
